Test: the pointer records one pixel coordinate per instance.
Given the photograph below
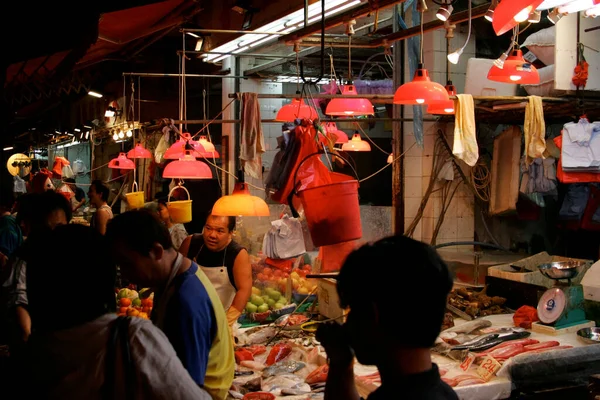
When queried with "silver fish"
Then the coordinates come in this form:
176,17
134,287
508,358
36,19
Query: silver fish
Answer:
283,367
469,326
258,335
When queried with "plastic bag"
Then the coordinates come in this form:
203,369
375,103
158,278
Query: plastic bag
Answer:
161,148
525,316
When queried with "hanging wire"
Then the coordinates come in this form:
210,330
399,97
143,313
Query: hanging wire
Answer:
371,140
387,165
213,120
421,41
350,58
204,107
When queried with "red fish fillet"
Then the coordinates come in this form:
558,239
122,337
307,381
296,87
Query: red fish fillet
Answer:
451,382
549,348
243,355
278,353
318,375
542,345
509,352
256,349
443,371
523,342
472,381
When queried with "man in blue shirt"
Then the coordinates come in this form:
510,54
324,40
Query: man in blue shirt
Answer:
186,305
10,232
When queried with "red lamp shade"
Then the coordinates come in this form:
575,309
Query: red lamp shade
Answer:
341,137
445,107
207,149
515,70
297,109
121,162
241,202
346,107
178,150
139,152
356,144
187,167
509,13
421,90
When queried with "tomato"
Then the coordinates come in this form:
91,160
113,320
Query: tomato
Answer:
261,277
267,271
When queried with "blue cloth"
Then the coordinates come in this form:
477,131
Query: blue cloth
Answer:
190,323
575,201
10,235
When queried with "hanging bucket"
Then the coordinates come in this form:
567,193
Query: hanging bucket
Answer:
135,199
180,210
332,211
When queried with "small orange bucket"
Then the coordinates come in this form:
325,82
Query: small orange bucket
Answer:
135,199
180,210
332,211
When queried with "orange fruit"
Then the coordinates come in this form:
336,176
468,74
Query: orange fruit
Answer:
124,302
146,310
122,310
145,302
132,312
143,315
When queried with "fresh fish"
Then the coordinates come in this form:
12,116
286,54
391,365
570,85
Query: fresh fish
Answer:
548,349
491,340
478,341
451,382
258,335
523,342
243,355
541,345
290,391
256,349
276,384
469,326
471,381
318,375
236,395
255,365
283,367
242,373
278,353
447,350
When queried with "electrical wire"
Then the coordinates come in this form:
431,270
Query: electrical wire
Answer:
371,140
387,165
212,120
481,179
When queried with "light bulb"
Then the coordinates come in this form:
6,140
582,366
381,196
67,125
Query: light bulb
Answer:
444,12
420,101
523,14
129,133
500,61
453,57
449,110
515,78
115,137
121,135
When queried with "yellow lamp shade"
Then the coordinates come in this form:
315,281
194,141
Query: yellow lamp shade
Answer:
241,203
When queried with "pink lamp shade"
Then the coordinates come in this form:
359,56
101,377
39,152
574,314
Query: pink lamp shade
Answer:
187,167
356,144
341,137
509,13
121,162
445,107
139,152
177,149
207,149
347,107
297,109
515,70
421,90
241,202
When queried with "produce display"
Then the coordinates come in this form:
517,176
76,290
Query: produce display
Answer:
476,303
134,304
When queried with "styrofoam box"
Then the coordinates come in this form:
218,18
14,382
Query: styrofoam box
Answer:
477,83
329,302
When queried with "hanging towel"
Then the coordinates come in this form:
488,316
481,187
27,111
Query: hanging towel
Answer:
465,138
253,144
535,129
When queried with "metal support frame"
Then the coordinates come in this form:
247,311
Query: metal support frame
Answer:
161,75
272,121
398,136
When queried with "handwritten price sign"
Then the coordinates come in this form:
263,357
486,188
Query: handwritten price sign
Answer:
488,368
466,364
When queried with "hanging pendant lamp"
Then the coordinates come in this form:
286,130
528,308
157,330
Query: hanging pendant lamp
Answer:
187,167
185,143
345,107
297,109
121,162
241,202
207,149
139,152
445,107
356,144
341,137
421,90
515,70
509,13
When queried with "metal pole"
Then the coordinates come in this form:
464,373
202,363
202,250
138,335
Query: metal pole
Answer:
160,75
232,31
238,54
398,134
306,13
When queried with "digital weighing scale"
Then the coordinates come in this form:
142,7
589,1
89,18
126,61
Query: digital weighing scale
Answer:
560,308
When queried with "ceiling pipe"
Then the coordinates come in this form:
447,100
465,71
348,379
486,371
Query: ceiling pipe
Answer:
387,40
202,30
337,20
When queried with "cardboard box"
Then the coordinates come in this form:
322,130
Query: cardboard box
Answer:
529,272
329,302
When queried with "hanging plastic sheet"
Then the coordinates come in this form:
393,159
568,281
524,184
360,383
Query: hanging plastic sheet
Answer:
413,61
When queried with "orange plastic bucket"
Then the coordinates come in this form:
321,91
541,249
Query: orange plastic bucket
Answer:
332,211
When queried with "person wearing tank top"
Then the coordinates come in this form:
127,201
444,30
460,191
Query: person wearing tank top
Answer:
98,195
225,262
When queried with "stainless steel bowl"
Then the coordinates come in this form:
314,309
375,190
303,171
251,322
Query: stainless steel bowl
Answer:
561,269
589,335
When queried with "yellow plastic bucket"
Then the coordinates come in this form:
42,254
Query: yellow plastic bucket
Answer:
180,210
135,199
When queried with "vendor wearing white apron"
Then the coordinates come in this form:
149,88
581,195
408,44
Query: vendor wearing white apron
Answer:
224,261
